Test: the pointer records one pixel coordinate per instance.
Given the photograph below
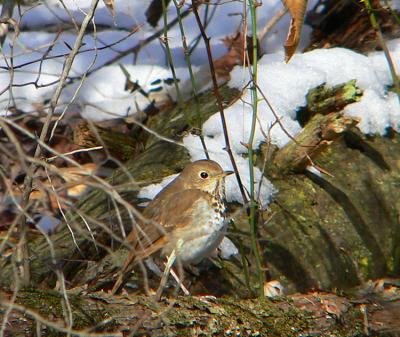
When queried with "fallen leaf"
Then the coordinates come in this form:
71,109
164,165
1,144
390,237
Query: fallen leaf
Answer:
273,289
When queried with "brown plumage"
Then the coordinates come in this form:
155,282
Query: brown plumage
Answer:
191,208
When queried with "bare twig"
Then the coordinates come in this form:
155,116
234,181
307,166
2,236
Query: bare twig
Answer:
6,14
25,279
141,44
376,26
219,100
75,152
271,23
192,79
52,57
253,204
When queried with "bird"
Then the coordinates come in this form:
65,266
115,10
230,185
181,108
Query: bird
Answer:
190,212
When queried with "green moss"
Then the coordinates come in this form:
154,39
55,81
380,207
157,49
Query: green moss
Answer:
50,304
192,316
32,298
173,123
333,232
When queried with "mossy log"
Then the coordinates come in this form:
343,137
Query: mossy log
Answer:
338,230
121,146
325,231
78,242
319,232
325,100
317,314
314,139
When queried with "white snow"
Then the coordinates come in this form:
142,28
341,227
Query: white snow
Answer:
394,4
285,86
103,95
227,249
101,99
376,112
150,191
224,19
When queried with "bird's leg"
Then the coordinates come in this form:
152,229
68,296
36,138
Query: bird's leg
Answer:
168,266
164,278
178,280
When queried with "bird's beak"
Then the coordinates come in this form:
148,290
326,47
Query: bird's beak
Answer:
223,174
228,173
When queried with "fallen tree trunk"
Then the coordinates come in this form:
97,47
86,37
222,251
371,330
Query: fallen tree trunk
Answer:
76,242
319,232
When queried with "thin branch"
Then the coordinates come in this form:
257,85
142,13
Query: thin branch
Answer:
378,31
76,151
106,46
271,23
6,15
28,181
253,204
192,79
141,44
219,100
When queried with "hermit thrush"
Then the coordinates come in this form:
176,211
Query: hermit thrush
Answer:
190,211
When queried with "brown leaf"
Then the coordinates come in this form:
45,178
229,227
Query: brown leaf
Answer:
110,4
273,289
155,11
236,55
75,177
297,9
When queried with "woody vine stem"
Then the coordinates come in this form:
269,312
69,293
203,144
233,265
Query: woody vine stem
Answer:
254,101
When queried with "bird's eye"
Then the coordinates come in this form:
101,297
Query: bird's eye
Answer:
203,175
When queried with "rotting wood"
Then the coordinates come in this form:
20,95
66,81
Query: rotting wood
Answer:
320,132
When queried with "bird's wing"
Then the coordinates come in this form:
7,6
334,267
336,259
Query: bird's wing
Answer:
163,215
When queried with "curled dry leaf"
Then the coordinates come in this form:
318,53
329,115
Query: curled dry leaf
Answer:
155,11
273,289
240,51
75,178
110,4
297,9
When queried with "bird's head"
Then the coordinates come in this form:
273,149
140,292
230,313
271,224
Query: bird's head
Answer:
205,175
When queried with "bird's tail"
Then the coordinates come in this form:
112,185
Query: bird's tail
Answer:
133,259
118,284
